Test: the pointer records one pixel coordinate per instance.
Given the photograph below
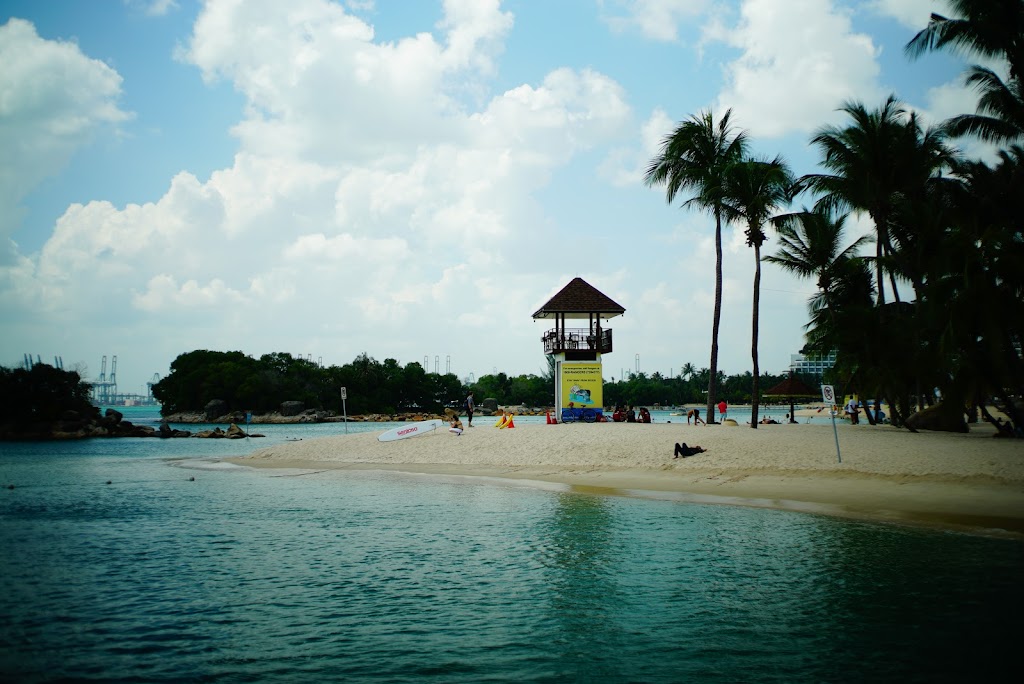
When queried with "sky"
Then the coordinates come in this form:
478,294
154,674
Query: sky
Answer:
411,180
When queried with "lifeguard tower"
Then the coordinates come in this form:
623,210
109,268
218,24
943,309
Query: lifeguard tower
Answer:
577,351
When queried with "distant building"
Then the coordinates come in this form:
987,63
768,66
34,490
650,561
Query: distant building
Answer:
811,365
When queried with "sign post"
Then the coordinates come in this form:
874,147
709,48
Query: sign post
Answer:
828,395
344,411
248,419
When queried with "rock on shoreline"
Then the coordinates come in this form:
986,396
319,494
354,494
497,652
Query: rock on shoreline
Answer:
72,425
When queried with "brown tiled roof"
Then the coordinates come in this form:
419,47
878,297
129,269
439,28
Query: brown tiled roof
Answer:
581,298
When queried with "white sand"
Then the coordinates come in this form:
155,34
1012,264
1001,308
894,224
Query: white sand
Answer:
964,481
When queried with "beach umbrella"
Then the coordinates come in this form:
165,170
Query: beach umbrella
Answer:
791,388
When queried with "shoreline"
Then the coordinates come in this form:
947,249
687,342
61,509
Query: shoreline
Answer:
965,482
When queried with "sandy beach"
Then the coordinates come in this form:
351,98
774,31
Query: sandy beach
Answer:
972,482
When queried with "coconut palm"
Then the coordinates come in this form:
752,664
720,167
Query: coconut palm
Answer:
875,162
696,157
992,30
756,189
810,246
688,371
988,28
1000,113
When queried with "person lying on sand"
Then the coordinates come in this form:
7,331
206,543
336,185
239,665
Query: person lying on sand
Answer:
684,451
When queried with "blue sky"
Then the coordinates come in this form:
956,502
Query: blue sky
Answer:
408,179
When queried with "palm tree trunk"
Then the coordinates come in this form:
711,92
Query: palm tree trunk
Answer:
892,277
713,379
881,240
879,279
755,391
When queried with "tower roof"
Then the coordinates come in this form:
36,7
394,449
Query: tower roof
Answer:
579,299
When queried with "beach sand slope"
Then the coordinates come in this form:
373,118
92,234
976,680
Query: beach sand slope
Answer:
972,481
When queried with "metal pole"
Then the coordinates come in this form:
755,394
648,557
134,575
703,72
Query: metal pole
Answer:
344,410
828,395
836,433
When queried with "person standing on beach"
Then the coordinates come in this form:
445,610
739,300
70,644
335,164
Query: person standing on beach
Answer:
722,408
851,408
469,408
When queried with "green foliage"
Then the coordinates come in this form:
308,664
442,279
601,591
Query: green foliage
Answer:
690,388
41,395
262,385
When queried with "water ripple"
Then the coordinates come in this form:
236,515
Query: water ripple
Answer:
238,576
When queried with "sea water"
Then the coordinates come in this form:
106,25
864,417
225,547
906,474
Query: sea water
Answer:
147,560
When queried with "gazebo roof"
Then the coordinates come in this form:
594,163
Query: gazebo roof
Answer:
792,387
579,299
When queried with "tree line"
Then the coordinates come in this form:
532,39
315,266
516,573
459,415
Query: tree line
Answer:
262,384
938,308
32,399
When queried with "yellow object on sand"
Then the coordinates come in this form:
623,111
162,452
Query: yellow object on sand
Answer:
505,422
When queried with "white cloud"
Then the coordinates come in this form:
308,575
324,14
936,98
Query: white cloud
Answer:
365,200
913,14
800,62
655,19
53,100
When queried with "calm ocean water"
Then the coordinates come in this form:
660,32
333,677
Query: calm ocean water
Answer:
240,575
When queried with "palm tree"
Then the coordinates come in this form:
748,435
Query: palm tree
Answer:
811,247
696,156
755,189
688,371
989,28
1000,113
864,171
876,162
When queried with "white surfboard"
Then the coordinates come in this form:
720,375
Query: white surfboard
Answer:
410,430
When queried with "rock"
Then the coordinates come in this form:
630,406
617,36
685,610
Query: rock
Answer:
235,432
112,417
938,418
215,408
292,408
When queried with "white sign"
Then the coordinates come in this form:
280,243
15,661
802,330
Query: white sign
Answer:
828,394
344,393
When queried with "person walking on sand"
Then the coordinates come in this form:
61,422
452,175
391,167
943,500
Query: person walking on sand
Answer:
722,408
695,414
469,408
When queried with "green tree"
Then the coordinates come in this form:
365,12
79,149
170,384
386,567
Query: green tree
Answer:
755,190
865,171
30,400
696,157
993,29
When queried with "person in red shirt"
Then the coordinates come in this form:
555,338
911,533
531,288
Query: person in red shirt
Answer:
722,408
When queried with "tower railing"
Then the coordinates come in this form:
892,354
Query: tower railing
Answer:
576,339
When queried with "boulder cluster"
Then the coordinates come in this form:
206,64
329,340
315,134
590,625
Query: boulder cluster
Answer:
73,425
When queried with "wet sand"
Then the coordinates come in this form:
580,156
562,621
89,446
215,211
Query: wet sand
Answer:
972,482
